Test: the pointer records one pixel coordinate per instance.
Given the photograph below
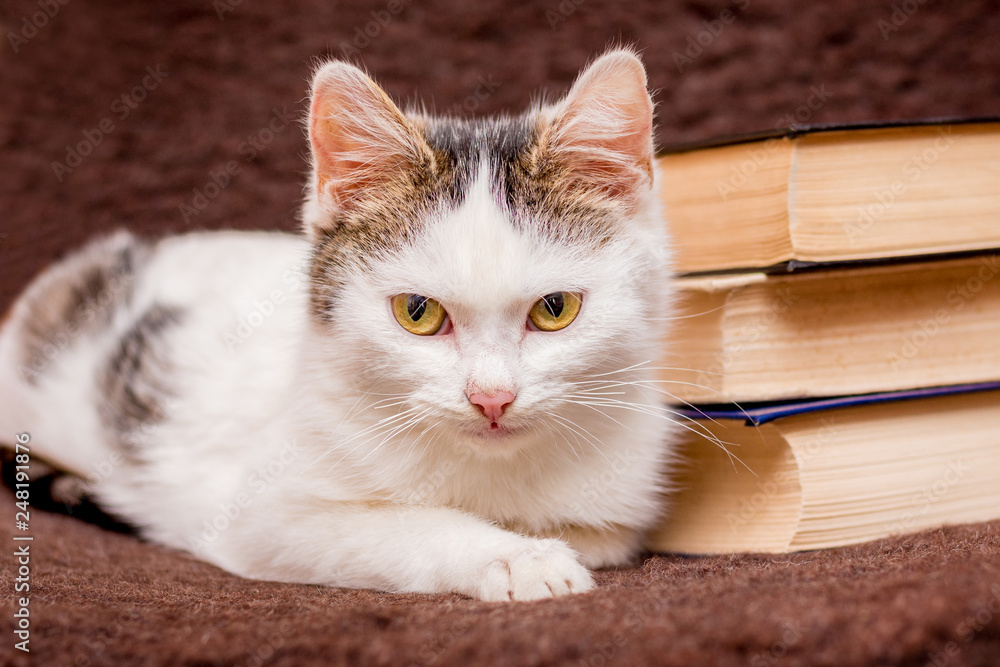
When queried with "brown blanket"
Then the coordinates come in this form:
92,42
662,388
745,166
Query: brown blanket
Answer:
100,598
163,117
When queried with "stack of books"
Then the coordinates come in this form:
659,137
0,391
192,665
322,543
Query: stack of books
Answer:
836,359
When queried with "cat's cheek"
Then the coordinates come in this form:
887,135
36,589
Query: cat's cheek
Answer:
426,366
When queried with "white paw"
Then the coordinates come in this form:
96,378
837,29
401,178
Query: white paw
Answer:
536,570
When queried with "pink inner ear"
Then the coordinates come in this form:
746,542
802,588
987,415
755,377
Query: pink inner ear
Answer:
358,136
604,128
341,168
334,149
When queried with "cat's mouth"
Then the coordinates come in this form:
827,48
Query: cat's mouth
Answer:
494,430
497,431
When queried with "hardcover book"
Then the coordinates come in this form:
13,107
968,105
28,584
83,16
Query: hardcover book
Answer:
829,473
824,194
831,332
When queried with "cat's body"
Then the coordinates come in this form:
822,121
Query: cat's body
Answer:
258,399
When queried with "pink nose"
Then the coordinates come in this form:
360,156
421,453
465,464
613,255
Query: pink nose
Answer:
492,406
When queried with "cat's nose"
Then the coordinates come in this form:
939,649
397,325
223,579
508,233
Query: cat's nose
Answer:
492,406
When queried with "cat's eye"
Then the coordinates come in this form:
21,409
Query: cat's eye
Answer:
555,311
418,314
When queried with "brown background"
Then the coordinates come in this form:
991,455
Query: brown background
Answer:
100,598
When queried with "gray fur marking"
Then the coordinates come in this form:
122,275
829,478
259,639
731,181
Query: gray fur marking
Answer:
133,382
527,181
76,297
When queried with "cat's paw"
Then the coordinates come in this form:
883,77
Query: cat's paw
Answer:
536,570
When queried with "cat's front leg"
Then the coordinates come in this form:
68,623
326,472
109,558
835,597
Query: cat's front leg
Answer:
403,549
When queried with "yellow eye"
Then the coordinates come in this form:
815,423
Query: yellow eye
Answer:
418,314
555,311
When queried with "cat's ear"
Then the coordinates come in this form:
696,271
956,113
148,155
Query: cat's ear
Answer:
601,132
359,138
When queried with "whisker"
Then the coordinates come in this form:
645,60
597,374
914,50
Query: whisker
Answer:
385,422
646,384
576,428
664,413
601,412
407,426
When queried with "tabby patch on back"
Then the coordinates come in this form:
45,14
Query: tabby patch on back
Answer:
446,384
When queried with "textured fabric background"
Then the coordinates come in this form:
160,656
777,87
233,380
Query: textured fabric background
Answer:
116,114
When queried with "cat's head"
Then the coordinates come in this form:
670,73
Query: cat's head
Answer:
479,273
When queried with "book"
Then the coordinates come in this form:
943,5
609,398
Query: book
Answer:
831,194
832,332
833,473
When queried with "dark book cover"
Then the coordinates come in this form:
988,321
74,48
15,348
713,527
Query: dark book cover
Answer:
761,413
795,130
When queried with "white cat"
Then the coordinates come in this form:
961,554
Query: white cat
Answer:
446,385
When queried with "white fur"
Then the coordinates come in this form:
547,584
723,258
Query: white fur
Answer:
351,455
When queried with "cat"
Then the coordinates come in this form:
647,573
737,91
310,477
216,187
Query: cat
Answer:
446,384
